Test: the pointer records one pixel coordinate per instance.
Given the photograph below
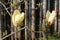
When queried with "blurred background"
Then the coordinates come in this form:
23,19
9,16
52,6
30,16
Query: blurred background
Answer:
34,22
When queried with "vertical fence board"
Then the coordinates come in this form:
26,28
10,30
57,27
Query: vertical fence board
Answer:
15,29
55,22
11,22
48,4
19,33
40,20
0,26
26,19
33,19
30,11
44,16
59,19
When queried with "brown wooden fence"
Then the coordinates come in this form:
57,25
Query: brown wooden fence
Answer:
35,14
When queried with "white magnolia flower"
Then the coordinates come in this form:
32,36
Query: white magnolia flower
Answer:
52,17
17,18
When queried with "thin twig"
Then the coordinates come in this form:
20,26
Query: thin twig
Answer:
13,33
5,8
